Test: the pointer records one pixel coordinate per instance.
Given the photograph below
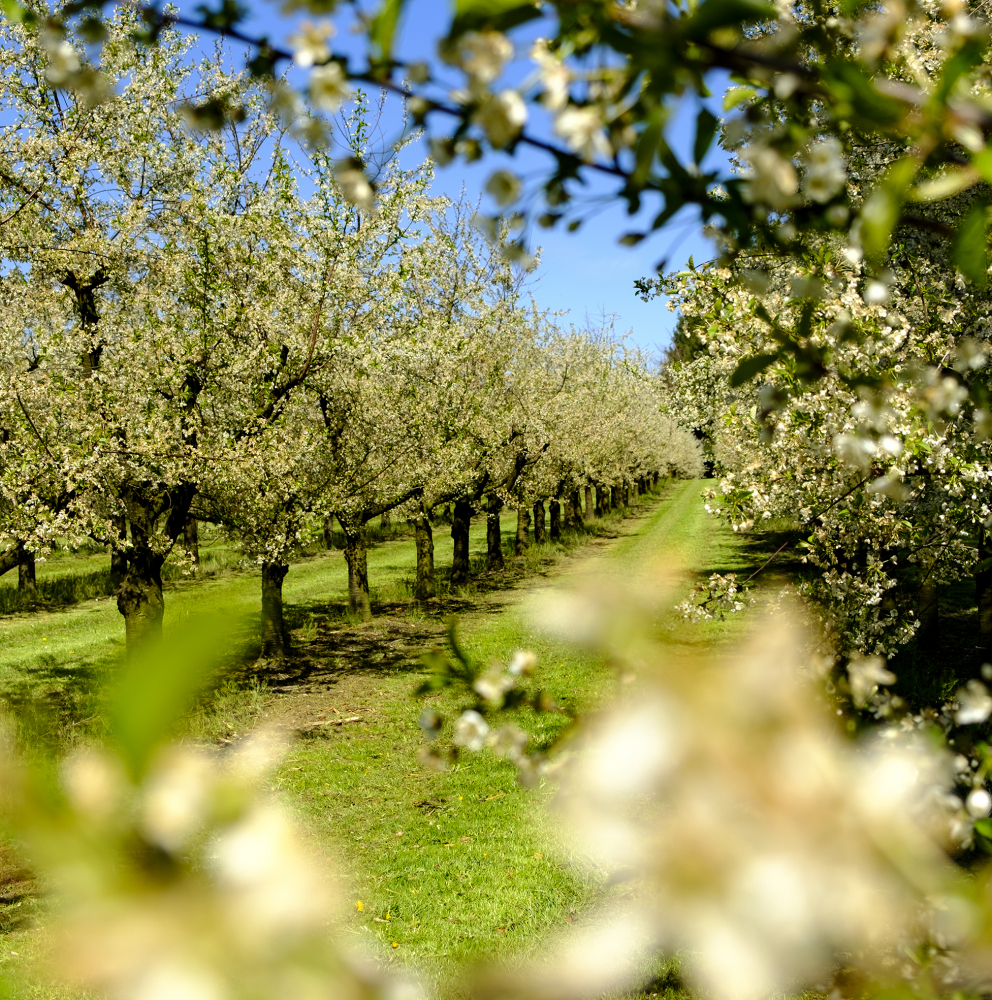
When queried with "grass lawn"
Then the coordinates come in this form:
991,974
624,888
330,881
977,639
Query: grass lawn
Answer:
445,867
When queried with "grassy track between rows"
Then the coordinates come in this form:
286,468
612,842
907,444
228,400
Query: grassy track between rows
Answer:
446,867
456,866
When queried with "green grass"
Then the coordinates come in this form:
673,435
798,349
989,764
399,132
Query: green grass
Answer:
450,867
456,866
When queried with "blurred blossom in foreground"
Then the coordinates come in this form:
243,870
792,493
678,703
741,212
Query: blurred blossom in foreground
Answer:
750,829
191,883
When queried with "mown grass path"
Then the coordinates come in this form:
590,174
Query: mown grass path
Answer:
444,867
465,864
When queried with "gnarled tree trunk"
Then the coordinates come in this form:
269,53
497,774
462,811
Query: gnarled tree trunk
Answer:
540,532
523,531
356,555
25,572
275,638
118,558
494,537
601,506
616,497
460,522
329,531
588,499
385,521
576,504
191,537
424,588
555,509
139,597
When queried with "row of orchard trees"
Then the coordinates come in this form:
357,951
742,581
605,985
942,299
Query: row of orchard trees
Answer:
199,326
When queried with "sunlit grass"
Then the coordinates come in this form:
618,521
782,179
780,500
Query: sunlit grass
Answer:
443,868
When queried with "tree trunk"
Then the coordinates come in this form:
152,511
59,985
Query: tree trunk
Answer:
540,533
460,522
494,537
555,508
118,558
356,555
386,521
191,536
576,502
589,510
329,531
928,614
616,498
523,531
983,591
424,589
25,571
275,638
139,597
600,501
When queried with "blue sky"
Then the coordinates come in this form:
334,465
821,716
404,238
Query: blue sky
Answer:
581,274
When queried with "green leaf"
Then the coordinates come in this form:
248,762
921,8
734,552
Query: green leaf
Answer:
382,30
984,827
970,250
706,124
737,95
712,14
159,684
982,162
750,367
883,206
13,11
501,15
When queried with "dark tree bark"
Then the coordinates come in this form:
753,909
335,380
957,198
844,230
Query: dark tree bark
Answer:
616,498
89,315
118,557
601,504
139,597
356,555
460,522
329,531
9,558
385,521
26,582
588,498
555,509
523,531
424,588
494,537
191,536
540,532
275,638
983,590
927,607
576,503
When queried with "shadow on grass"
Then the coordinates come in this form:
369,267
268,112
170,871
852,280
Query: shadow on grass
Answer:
329,642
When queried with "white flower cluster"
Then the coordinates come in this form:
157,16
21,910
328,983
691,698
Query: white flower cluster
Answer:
876,473
191,882
716,597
